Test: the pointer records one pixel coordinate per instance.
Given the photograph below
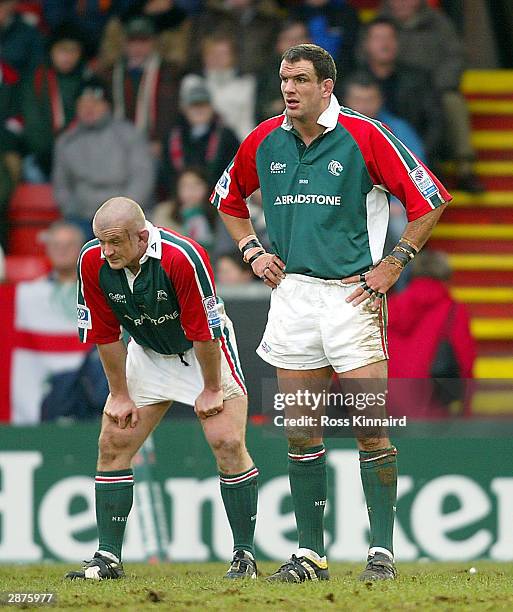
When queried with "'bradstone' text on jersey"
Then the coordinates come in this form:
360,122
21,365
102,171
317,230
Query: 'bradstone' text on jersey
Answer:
327,205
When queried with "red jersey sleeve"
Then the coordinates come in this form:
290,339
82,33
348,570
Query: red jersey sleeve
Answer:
188,267
392,165
96,321
240,179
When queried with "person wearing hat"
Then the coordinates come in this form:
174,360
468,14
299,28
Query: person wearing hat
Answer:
143,86
172,25
198,138
49,97
99,157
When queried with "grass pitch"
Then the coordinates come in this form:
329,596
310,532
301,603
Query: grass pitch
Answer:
420,586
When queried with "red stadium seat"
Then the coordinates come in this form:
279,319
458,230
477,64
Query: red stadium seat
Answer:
22,268
31,210
25,239
33,202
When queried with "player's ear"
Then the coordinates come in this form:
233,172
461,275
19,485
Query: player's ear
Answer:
327,88
144,235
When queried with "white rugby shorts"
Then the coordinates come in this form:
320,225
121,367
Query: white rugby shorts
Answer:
310,325
154,378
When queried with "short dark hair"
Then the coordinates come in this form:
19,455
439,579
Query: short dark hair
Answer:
198,171
95,87
381,21
360,79
323,63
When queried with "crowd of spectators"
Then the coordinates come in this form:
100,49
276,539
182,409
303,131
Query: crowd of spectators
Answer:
150,98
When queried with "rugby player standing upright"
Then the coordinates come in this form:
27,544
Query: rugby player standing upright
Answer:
326,173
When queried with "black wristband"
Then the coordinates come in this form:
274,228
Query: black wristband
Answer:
398,247
251,244
255,257
410,244
406,247
403,257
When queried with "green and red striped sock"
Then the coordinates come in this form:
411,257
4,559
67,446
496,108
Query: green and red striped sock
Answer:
114,496
308,485
240,498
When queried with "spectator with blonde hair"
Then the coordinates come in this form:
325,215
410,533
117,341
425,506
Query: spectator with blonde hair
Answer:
233,94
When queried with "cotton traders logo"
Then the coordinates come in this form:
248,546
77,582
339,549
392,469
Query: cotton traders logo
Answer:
120,298
335,167
161,295
278,168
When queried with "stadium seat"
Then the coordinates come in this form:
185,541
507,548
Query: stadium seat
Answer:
21,268
31,210
25,239
33,202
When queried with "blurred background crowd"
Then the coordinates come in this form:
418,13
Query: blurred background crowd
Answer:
151,98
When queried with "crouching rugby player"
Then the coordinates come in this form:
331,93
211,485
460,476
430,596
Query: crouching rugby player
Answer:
159,286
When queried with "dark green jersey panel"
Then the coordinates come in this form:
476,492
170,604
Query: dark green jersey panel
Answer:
326,205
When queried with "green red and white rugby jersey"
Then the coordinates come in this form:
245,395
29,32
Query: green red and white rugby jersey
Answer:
172,302
327,205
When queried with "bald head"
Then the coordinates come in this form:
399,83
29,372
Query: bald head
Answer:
121,213
120,226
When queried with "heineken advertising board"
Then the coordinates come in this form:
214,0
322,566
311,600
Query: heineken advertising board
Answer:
455,497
